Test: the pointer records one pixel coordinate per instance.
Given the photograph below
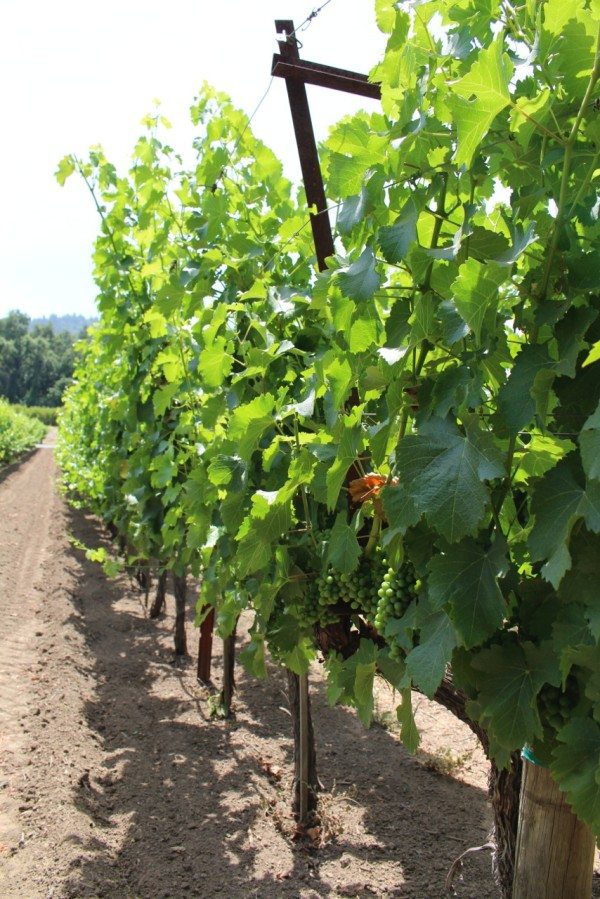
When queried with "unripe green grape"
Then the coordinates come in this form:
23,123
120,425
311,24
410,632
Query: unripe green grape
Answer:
399,588
555,705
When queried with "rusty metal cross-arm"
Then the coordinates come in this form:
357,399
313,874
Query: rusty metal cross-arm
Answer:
297,74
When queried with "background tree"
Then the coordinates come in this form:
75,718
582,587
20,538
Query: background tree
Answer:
36,364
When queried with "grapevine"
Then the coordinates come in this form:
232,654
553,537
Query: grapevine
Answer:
451,346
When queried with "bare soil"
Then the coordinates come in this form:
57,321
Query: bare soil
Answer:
115,781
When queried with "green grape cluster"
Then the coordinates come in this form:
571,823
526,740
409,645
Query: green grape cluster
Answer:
398,589
307,610
555,705
357,589
330,589
373,590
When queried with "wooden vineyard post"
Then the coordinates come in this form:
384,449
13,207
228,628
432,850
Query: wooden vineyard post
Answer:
205,647
159,599
228,671
180,591
147,585
555,850
306,782
304,746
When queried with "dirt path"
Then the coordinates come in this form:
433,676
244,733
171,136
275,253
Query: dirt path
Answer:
115,781
23,544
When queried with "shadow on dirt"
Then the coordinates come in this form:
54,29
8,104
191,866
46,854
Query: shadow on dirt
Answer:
8,468
202,812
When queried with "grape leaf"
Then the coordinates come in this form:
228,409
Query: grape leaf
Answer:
352,212
571,632
589,441
558,12
385,14
300,472
399,507
465,578
508,679
215,364
65,169
485,244
576,767
593,355
291,643
408,729
475,292
157,322
363,690
395,240
338,376
224,470
569,333
343,551
170,362
347,452
426,663
443,472
360,280
248,423
350,680
163,469
516,401
253,554
576,56
163,397
424,320
267,521
448,391
299,658
346,175
363,331
560,500
581,582
393,670
539,455
520,241
252,656
487,82
454,326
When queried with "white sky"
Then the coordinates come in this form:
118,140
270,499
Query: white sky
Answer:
75,74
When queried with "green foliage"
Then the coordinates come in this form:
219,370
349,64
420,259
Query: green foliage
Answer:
110,565
48,415
232,400
444,470
18,432
36,364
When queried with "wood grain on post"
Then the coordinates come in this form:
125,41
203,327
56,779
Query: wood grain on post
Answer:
555,850
304,748
205,647
180,592
228,670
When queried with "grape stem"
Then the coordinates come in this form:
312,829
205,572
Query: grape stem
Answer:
373,537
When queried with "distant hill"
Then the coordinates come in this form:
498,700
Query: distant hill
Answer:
73,324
